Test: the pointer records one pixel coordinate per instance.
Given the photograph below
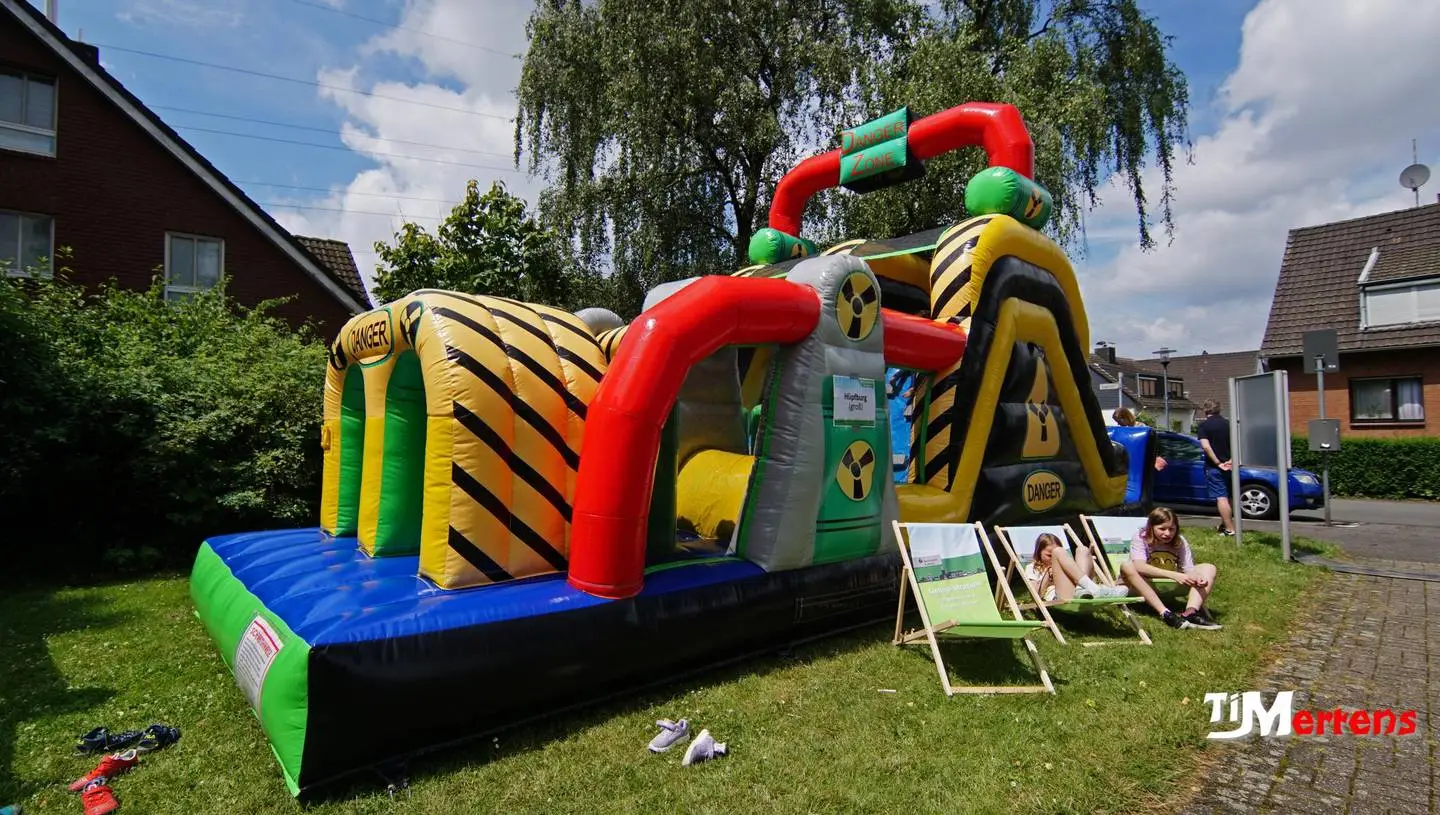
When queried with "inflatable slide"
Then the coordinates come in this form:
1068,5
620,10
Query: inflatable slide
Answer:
525,509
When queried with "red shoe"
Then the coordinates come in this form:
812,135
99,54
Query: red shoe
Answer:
109,767
99,799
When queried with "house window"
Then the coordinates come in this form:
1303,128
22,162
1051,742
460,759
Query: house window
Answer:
1177,389
26,243
1149,386
1401,399
27,113
1402,305
193,263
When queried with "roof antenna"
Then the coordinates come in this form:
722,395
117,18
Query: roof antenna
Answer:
1414,177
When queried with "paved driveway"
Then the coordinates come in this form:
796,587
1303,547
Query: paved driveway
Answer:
1375,530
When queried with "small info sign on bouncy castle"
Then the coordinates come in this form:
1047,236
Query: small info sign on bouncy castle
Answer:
254,656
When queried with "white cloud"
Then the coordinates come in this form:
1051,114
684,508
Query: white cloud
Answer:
1318,117
465,109
191,13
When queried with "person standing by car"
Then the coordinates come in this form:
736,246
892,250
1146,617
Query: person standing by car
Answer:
1215,441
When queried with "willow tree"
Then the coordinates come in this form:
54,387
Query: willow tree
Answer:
662,128
1093,79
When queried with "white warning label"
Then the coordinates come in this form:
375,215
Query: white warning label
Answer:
254,656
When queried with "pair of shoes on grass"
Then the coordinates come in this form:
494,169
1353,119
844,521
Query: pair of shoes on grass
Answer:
1192,618
674,734
154,737
94,787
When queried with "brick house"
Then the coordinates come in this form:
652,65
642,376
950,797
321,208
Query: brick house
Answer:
1376,281
1207,375
1142,388
85,165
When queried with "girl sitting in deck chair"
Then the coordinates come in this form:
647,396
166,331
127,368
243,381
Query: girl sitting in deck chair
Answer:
1159,550
1059,577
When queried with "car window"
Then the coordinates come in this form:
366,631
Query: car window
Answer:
1178,449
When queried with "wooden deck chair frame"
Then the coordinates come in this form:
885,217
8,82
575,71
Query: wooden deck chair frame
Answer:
1043,608
928,633
1097,548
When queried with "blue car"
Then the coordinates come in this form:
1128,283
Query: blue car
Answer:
1183,481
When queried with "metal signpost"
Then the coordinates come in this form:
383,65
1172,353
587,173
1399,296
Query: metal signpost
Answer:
1322,355
1260,437
1119,393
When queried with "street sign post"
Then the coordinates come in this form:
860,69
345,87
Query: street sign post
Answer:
1322,354
1260,437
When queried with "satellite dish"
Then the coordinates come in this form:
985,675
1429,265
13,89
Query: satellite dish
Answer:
1414,176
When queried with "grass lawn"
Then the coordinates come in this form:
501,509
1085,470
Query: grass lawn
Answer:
808,731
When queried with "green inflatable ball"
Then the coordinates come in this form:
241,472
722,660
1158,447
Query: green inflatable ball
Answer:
770,245
1002,191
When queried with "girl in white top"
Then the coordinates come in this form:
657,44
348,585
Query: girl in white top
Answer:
1058,577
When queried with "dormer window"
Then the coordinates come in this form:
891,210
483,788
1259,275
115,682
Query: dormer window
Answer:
1390,304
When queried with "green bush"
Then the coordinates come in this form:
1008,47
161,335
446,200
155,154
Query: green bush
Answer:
135,427
1378,468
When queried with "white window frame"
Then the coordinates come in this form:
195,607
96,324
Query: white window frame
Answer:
179,289
52,132
17,269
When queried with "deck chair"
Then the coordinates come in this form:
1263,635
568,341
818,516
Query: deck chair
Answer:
1019,544
944,570
1111,535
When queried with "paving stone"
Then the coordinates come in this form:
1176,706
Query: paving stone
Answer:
1372,652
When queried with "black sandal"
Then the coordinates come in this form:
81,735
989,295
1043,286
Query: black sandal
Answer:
157,737
100,740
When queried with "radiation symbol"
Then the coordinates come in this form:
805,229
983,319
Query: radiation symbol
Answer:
1033,206
855,475
336,355
410,320
857,306
1042,432
1163,560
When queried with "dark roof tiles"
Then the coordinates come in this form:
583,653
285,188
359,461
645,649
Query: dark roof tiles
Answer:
1319,280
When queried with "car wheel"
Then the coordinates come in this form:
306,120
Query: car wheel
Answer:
1257,502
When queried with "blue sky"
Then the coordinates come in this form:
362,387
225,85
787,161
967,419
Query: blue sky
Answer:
1274,148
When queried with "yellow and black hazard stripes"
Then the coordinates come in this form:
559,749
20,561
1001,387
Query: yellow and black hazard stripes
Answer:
952,297
610,341
515,425
845,247
952,300
582,365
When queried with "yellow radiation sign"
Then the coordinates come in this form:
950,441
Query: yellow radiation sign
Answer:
1034,205
857,306
1042,431
856,473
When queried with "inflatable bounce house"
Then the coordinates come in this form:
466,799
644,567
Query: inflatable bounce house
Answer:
526,509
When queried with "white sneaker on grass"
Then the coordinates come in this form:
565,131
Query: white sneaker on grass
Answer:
702,749
671,734
1112,591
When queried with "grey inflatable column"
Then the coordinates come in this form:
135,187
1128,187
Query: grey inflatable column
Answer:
821,489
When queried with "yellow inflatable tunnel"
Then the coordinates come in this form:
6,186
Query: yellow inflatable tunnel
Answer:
473,416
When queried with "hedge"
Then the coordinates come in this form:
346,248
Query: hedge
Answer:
1378,468
135,426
